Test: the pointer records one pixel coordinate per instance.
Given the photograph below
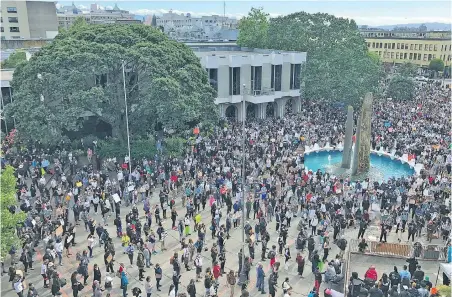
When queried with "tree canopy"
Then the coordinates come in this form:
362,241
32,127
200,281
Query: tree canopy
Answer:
338,67
436,65
9,220
401,88
407,69
14,60
80,75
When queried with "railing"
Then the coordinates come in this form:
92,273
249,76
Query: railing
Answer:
263,92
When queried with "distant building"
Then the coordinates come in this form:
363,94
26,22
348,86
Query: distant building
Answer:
416,46
96,16
28,20
186,27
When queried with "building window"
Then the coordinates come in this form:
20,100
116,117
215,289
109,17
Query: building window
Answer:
406,46
398,45
392,55
256,79
276,77
411,47
234,80
415,47
295,70
213,78
430,47
11,9
13,29
426,47
415,56
425,57
429,57
381,44
397,56
404,56
402,46
13,20
442,46
418,56
411,56
373,44
393,45
386,45
435,47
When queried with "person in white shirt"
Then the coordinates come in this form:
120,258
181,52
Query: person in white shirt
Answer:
148,287
19,287
44,272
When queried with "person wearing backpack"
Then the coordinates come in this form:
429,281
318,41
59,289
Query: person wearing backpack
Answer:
394,277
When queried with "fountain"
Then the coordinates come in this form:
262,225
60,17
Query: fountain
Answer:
356,161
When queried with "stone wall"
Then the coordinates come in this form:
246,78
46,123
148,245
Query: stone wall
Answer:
24,44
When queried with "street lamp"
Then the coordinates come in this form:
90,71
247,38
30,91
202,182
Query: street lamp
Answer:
242,277
127,115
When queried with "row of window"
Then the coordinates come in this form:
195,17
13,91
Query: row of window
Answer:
412,56
11,9
11,29
406,46
256,78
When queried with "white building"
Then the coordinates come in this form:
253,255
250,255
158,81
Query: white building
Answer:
269,81
184,26
95,16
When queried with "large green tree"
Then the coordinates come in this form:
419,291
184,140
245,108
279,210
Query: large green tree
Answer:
401,88
338,67
253,29
436,65
407,69
80,74
9,220
14,59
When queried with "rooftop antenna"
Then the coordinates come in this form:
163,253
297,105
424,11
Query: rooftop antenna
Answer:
224,12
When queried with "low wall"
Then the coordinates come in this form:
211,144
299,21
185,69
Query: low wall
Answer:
19,43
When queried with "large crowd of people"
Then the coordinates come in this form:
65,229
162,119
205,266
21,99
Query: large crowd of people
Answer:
148,201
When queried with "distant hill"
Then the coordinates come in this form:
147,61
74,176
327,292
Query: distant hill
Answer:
430,26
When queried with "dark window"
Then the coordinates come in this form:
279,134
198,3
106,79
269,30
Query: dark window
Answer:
404,55
213,78
13,20
295,70
234,80
11,9
276,77
13,29
256,79
2,29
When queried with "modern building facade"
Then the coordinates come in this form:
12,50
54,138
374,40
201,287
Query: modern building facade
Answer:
269,81
417,47
184,26
95,16
28,20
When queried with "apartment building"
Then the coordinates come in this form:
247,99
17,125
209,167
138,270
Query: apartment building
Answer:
184,26
95,16
269,81
416,47
28,20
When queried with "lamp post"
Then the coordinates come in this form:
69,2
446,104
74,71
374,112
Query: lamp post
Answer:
127,115
242,277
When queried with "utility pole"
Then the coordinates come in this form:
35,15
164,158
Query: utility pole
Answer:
242,277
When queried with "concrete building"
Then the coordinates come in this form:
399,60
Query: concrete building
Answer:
417,47
28,20
185,27
268,80
95,16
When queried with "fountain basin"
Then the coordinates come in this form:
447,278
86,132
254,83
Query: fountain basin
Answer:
382,166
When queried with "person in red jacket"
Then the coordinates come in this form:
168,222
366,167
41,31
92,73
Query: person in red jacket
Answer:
371,273
216,270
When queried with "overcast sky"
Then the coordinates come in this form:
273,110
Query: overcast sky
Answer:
363,12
